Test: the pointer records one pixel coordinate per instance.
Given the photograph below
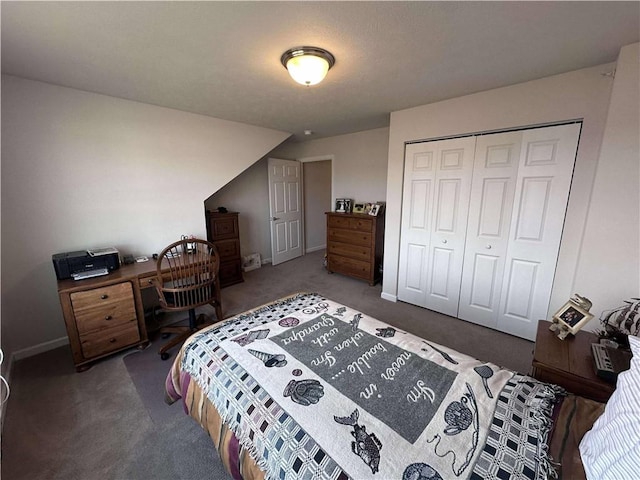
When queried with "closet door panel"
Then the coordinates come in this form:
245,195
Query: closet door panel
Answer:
542,191
491,201
484,278
415,236
454,163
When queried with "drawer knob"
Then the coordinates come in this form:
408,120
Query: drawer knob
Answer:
113,340
104,297
108,317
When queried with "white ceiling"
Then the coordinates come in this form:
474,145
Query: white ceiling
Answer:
222,59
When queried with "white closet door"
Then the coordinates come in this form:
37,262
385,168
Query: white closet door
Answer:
449,223
492,190
415,234
542,190
437,180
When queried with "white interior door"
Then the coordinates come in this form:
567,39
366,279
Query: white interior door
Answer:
285,209
492,190
542,190
437,181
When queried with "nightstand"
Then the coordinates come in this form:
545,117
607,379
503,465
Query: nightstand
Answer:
568,363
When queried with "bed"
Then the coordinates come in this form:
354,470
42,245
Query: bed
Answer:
305,387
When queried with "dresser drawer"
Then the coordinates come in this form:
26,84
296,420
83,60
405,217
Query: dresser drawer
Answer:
352,251
107,341
230,272
223,226
349,266
359,224
349,236
103,308
228,249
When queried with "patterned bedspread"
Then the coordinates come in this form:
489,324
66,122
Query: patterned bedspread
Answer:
313,389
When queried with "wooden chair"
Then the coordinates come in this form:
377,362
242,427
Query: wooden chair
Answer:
187,278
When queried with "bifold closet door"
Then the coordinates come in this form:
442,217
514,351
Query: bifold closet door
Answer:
544,178
495,169
437,182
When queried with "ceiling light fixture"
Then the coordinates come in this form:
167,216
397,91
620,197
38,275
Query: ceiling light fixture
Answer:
307,65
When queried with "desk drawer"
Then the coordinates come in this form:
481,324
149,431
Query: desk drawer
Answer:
109,340
103,308
147,282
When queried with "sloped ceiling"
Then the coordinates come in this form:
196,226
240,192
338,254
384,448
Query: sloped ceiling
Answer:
222,59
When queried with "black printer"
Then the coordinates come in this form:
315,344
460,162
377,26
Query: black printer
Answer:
85,263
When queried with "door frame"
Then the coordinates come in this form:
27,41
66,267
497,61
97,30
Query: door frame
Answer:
316,158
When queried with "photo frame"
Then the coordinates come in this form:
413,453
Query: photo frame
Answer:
358,207
343,205
367,208
375,209
572,316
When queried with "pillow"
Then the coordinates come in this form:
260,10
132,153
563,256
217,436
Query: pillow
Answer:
611,449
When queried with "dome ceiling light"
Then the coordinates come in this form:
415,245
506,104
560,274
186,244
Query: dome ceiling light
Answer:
307,65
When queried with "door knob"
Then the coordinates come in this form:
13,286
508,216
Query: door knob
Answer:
488,247
273,219
444,241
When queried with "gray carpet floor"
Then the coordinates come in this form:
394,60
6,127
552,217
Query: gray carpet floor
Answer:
110,422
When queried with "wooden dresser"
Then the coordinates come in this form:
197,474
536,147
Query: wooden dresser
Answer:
355,244
223,232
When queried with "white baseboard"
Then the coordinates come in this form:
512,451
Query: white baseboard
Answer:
40,348
389,297
315,249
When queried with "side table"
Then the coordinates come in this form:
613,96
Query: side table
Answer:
568,363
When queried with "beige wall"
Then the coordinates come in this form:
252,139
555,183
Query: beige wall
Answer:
609,268
359,162
582,94
248,194
359,169
81,170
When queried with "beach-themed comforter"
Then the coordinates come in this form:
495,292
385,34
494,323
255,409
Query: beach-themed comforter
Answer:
309,388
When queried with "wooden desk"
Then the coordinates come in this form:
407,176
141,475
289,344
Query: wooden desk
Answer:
568,363
104,315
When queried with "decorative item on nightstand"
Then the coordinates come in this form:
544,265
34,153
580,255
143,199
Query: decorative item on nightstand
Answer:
621,321
572,316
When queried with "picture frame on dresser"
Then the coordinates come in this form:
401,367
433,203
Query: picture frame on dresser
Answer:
375,209
343,205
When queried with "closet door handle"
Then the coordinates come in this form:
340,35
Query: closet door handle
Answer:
488,247
444,241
